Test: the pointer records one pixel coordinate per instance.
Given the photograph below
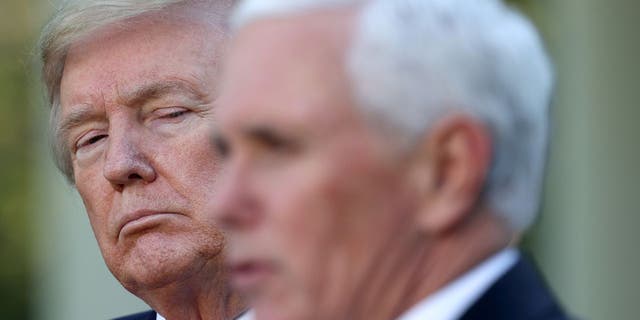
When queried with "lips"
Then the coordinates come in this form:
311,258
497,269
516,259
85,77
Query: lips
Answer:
249,275
141,220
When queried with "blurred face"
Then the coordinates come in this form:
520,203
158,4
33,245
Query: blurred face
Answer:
136,109
313,199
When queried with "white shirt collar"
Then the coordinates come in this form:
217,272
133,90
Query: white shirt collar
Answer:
245,316
454,299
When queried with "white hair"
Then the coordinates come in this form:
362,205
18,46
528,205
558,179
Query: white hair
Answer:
248,11
413,61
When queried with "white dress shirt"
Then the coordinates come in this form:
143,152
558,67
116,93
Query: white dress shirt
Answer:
245,316
450,302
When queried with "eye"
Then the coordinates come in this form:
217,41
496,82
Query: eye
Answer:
175,114
222,146
89,140
171,113
272,141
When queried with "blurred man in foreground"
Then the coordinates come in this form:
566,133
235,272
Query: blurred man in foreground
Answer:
131,85
380,157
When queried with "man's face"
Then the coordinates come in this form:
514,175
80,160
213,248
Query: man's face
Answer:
136,109
312,197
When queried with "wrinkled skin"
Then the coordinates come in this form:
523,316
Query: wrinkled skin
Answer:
137,115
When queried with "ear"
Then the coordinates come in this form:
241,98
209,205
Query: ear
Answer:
449,171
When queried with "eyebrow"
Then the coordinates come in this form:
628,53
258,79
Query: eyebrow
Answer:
157,90
136,97
81,115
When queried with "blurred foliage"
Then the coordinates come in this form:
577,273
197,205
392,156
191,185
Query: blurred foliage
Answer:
14,169
18,24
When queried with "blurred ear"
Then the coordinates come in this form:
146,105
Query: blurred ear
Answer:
449,170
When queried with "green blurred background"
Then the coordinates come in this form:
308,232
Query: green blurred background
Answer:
584,242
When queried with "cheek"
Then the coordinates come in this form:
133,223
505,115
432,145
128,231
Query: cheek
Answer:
193,162
333,220
96,196
310,235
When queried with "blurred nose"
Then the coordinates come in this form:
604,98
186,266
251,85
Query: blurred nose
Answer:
125,162
236,203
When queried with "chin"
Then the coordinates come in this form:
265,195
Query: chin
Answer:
270,310
270,314
158,261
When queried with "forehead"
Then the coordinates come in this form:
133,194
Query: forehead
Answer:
122,56
287,68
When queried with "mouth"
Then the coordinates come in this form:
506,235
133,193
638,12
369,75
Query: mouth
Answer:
142,220
248,276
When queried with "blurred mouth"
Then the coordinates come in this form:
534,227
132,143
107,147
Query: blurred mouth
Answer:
249,275
141,221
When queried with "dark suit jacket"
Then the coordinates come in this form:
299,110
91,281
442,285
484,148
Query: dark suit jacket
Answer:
151,315
520,294
147,315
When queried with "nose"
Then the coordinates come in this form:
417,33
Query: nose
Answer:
236,204
125,162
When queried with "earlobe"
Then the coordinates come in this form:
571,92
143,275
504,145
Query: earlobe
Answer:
450,171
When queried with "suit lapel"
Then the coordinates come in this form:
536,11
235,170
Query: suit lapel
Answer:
519,294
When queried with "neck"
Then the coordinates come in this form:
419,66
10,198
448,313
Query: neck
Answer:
427,264
205,296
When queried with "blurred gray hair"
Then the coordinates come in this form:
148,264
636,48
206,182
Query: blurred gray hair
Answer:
413,61
75,20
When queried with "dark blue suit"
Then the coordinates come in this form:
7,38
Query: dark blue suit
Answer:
147,315
151,315
520,294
